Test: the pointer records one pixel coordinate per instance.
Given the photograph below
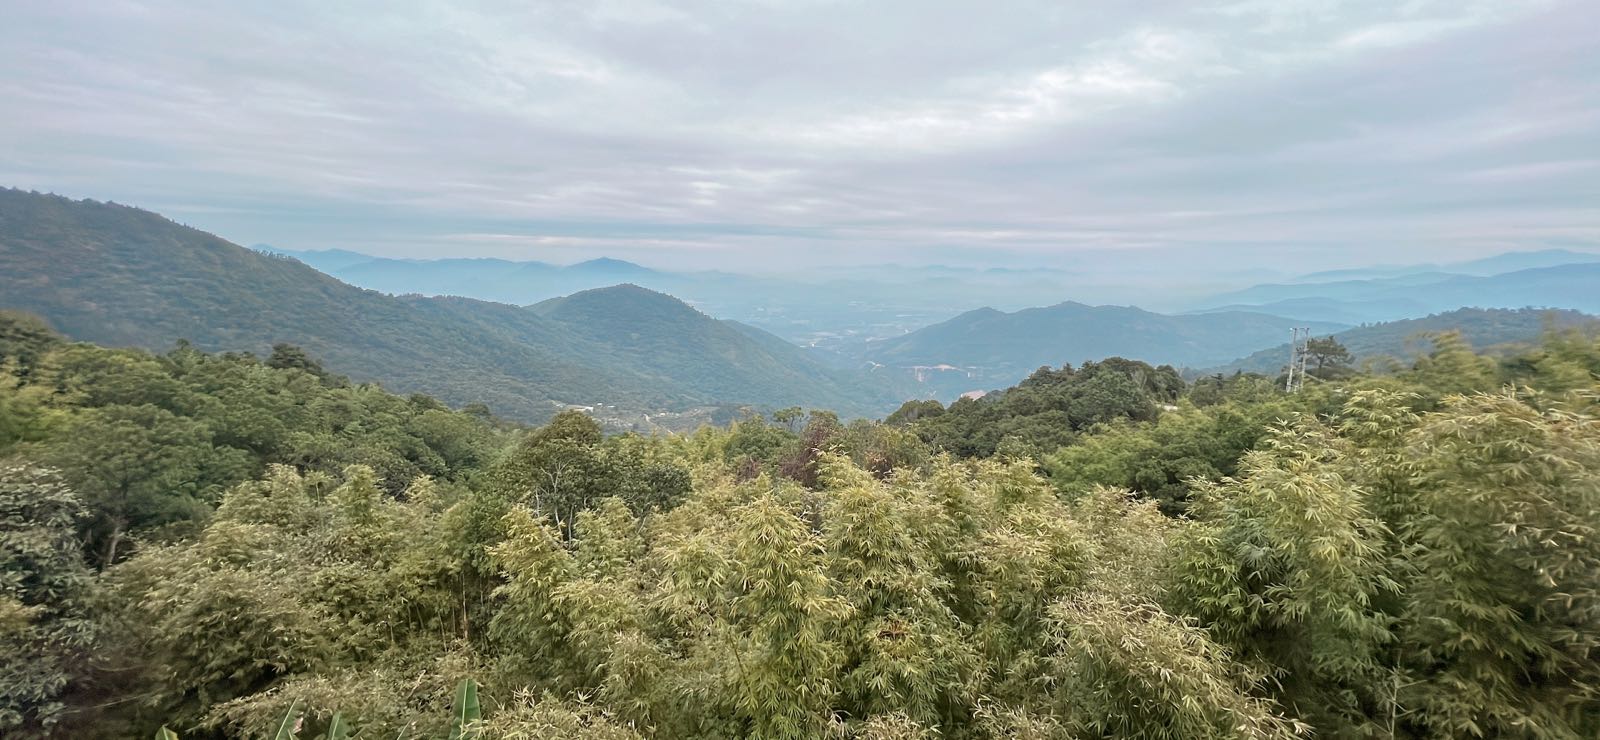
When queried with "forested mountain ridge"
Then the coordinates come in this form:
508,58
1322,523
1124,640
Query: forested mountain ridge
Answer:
1405,339
998,349
658,336
119,275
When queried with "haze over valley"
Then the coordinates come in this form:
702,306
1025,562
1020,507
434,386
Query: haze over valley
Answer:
652,349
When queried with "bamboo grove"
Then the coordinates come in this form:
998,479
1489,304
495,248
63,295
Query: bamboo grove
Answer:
230,546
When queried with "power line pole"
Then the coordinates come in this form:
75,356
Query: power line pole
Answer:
1299,342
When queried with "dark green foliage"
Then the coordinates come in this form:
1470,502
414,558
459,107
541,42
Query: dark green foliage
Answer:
1162,459
24,338
566,467
287,726
289,357
150,442
1327,358
1048,409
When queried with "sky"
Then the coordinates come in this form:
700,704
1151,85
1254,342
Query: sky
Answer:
1267,135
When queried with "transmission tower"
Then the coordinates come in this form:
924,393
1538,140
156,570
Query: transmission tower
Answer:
1299,340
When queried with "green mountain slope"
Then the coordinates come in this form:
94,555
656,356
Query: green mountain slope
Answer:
122,276
1483,327
663,339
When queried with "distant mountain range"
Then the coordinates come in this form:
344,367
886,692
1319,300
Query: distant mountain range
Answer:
1573,286
122,276
987,348
837,309
828,308
1495,265
1405,339
503,281
603,335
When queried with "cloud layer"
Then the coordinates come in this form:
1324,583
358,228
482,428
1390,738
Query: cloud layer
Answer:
1282,134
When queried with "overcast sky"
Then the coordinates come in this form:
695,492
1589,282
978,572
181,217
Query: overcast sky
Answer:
1284,134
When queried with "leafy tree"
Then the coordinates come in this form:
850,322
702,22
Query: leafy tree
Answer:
24,340
790,417
1328,357
47,629
1285,569
1452,367
1048,409
287,356
138,467
1503,615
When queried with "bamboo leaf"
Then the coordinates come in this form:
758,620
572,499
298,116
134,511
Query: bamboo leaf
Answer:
465,710
338,729
166,734
287,725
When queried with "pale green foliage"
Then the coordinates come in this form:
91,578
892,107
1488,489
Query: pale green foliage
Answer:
1130,670
906,653
1503,625
1387,561
528,718
1286,566
1406,573
784,621
290,578
766,610
1452,367
402,699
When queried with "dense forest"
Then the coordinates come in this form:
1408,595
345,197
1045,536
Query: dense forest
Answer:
231,545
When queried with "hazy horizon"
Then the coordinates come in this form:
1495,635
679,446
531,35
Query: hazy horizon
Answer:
1276,138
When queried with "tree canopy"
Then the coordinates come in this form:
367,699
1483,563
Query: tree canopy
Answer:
224,546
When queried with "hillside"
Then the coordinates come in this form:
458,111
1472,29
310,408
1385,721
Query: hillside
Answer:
122,276
987,348
1565,286
1402,339
662,338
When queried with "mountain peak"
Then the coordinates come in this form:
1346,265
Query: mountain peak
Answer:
608,264
624,300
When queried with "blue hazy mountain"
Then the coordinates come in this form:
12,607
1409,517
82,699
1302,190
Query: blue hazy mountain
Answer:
1573,286
987,348
1507,262
1406,339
